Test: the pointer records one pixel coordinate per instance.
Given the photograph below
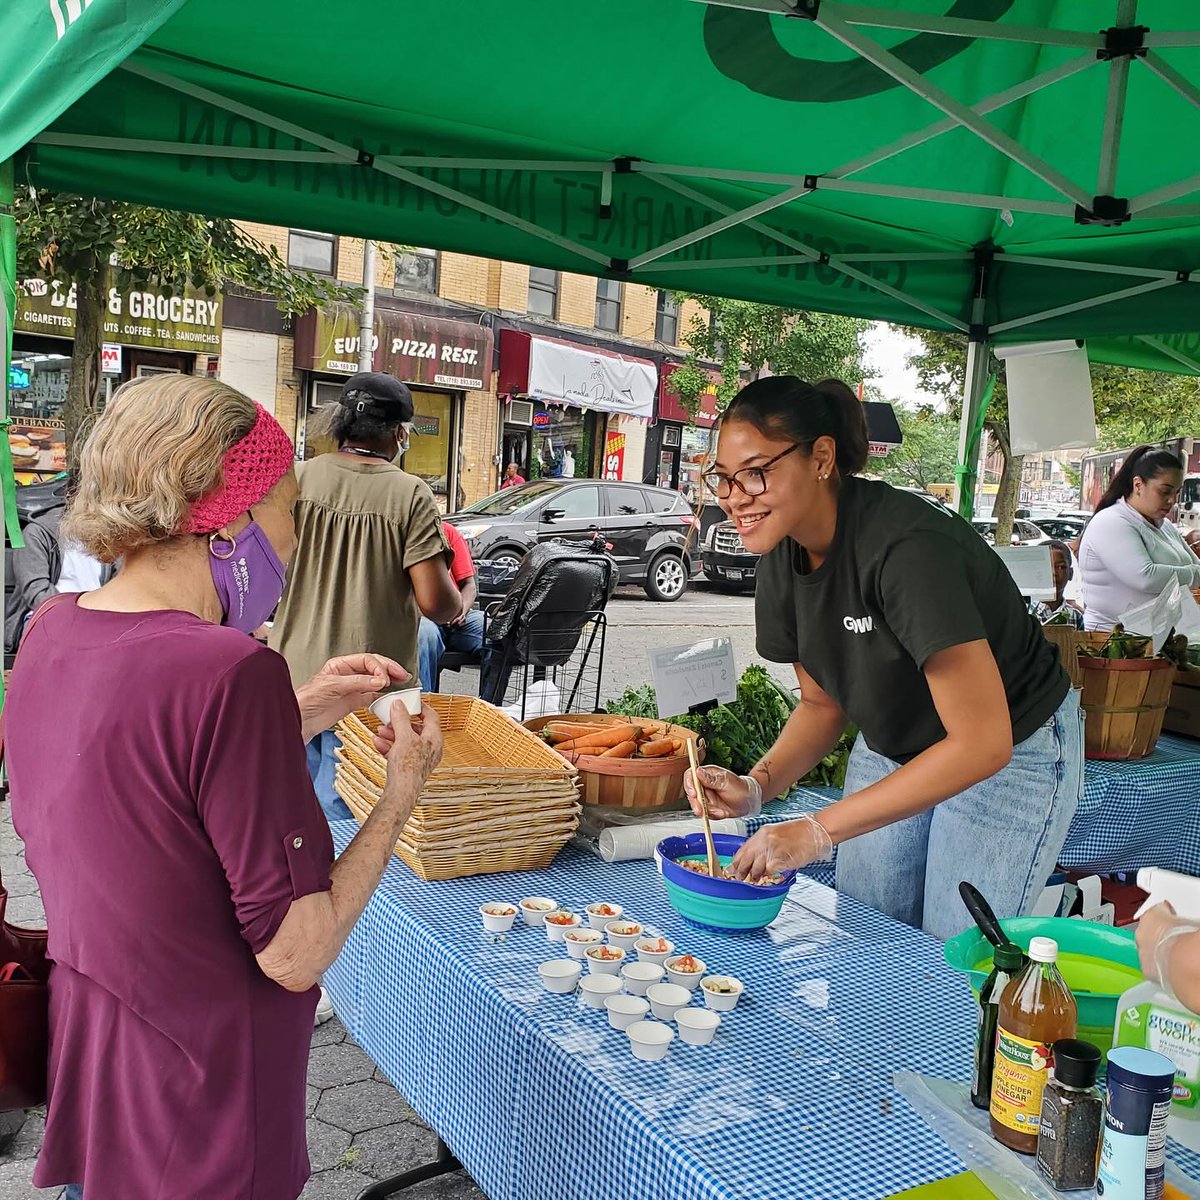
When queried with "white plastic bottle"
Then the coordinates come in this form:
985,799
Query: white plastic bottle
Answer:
1152,1019
1182,891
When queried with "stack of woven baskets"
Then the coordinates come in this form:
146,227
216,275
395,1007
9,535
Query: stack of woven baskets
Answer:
501,800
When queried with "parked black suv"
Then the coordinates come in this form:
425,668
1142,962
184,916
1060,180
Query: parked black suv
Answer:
728,563
646,526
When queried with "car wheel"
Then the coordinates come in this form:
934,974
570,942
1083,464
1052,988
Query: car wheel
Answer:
507,557
666,580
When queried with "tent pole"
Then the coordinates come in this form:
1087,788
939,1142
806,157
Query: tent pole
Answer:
366,323
977,392
8,312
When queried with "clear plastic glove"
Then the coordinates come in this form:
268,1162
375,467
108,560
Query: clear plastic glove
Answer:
728,795
778,848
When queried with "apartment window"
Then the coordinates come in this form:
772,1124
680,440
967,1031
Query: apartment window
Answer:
311,251
543,292
608,304
416,270
1048,470
666,320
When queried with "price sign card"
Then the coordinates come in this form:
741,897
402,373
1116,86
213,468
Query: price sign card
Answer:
686,676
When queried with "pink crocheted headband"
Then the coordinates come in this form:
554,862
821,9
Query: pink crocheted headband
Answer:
253,467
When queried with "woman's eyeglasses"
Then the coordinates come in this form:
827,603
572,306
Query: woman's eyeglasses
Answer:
750,481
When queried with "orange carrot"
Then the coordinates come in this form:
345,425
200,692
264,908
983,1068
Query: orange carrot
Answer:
657,748
621,750
578,728
602,740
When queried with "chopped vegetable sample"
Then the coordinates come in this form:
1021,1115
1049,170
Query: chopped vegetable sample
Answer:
628,929
607,953
720,985
686,965
604,910
655,946
499,910
562,918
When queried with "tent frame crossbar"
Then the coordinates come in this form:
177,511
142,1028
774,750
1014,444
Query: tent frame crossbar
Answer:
816,256
1162,348
333,146
962,113
1114,107
1064,310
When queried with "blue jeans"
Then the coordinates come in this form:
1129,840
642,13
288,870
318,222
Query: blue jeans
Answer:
1004,835
322,766
74,1192
434,640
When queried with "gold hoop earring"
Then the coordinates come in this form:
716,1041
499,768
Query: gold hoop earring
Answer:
213,538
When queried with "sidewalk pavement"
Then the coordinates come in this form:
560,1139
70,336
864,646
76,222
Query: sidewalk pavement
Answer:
360,1129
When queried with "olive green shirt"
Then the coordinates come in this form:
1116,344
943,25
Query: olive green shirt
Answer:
361,524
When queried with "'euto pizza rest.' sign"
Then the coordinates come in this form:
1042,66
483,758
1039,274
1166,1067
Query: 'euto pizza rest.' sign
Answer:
414,348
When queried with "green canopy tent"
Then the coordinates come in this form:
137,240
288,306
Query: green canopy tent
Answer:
1016,170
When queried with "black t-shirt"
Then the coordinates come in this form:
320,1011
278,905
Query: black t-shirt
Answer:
904,579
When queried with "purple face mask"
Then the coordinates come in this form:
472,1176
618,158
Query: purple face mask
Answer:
249,580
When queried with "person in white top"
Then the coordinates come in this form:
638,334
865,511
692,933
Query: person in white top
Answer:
1130,551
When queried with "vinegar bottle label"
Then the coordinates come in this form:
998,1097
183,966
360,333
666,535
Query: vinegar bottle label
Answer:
1018,1081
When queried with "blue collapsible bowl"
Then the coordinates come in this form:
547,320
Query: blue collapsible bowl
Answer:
720,905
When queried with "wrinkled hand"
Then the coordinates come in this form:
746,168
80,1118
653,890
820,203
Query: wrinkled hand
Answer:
778,848
728,795
1151,930
344,685
413,748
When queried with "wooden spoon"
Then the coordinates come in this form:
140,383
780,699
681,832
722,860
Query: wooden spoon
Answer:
714,863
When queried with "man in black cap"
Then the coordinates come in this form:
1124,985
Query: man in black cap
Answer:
371,557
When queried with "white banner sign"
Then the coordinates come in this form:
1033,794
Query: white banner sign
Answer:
110,358
1050,403
585,377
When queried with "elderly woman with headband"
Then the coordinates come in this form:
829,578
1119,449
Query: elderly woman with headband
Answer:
157,763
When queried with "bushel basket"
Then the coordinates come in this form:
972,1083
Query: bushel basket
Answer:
1124,702
644,784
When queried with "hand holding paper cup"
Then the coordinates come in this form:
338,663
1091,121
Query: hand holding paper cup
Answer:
410,698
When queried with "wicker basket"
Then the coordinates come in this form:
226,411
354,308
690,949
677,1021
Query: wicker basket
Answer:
1070,640
645,784
501,800
1124,702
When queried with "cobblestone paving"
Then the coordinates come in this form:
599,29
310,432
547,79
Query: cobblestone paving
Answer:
360,1129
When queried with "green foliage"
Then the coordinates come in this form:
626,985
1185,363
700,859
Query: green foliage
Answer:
74,238
739,734
745,337
929,452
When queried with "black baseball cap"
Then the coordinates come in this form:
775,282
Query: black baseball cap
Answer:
378,395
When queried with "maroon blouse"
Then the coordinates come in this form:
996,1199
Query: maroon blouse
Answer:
159,781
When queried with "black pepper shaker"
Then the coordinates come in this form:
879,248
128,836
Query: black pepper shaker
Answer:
1068,1152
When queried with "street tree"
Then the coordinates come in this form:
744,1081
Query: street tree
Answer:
929,451
748,340
95,245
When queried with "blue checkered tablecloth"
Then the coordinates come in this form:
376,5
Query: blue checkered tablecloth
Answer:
1134,814
539,1097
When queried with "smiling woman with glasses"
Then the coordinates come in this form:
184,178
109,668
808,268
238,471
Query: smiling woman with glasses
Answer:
897,618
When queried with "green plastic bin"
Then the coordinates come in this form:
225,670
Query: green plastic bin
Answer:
1098,962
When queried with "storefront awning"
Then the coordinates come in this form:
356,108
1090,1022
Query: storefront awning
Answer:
561,372
670,407
415,348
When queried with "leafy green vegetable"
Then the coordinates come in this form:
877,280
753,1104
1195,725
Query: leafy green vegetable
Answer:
740,733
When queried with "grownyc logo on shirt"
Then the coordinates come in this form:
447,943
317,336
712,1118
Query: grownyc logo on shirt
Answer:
858,624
